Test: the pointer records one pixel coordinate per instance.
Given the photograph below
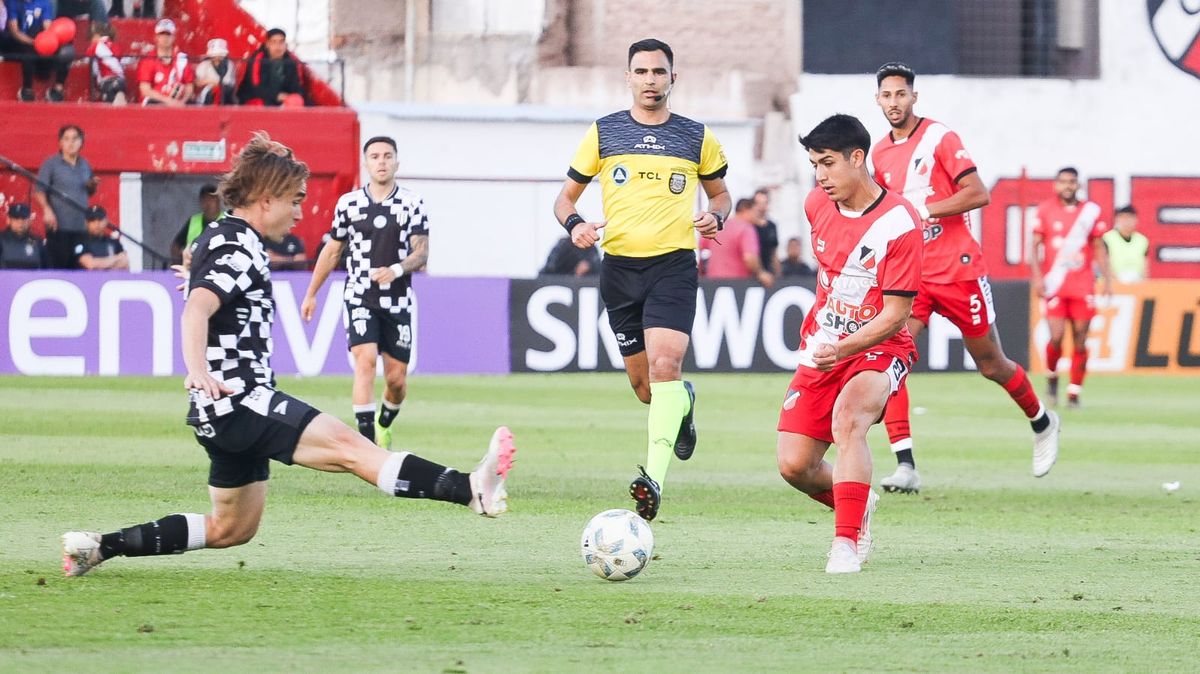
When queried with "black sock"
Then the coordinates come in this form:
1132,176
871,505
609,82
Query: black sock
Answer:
420,478
167,536
366,423
905,456
387,415
1041,423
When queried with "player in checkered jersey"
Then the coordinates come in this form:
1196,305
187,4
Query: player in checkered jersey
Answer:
238,416
388,234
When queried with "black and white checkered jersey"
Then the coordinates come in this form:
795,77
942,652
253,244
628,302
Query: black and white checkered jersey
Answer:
378,234
229,259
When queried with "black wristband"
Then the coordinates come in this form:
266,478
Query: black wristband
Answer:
720,220
572,220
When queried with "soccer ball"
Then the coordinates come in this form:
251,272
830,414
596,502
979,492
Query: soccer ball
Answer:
617,544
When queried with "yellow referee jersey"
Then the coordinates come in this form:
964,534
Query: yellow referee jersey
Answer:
649,176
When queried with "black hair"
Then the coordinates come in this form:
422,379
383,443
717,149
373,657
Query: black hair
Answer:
743,204
380,139
650,44
895,69
838,133
209,190
62,131
1127,208
763,191
1067,169
276,31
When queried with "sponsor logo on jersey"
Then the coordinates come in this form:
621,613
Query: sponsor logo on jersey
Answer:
620,175
931,232
677,183
845,318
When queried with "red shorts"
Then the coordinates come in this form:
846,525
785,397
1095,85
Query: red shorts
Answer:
1081,309
808,406
968,305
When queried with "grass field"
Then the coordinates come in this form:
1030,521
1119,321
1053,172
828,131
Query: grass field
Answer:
1092,568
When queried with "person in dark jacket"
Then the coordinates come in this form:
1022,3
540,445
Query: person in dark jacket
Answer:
272,73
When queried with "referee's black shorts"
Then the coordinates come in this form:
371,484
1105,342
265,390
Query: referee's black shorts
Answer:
648,292
241,443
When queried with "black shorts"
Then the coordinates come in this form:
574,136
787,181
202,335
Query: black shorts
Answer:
391,332
648,292
239,444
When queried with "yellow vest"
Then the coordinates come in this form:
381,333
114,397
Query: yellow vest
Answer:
1127,258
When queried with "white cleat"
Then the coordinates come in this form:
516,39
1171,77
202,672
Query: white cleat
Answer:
865,541
905,480
81,552
488,495
1045,446
842,558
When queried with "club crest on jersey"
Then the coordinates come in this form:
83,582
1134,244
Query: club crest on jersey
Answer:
620,175
380,222
866,257
1176,28
790,401
677,183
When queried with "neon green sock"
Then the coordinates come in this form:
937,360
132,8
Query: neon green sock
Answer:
669,404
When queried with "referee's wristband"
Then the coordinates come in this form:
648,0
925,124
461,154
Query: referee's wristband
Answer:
572,220
397,269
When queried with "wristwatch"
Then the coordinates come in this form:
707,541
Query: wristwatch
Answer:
720,220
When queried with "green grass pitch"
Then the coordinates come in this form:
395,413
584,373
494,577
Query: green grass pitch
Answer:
1093,568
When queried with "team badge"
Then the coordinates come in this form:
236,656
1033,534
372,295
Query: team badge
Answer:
866,257
677,183
790,401
620,175
1176,27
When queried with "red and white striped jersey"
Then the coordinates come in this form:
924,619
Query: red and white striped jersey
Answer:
861,257
1069,235
926,167
105,60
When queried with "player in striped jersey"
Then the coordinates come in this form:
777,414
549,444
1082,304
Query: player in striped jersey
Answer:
854,348
927,163
238,416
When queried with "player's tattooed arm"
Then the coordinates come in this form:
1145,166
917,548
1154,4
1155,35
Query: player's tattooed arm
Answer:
418,255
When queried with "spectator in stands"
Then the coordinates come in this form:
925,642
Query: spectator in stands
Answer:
108,75
567,260
216,76
287,253
734,253
1127,247
272,73
19,248
100,250
92,9
210,210
792,265
141,8
26,20
768,233
64,183
167,77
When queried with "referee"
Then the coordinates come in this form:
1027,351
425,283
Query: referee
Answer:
649,162
388,234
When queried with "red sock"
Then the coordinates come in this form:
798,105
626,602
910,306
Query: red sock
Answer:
1079,366
850,499
1053,354
895,415
1021,391
825,497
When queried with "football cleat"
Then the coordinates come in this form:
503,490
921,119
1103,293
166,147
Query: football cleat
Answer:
81,552
685,442
905,480
865,541
1045,446
489,497
842,558
647,493
383,436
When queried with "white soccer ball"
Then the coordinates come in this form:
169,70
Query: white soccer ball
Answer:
617,544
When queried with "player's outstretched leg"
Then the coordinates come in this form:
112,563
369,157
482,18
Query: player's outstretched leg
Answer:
647,494
993,364
906,479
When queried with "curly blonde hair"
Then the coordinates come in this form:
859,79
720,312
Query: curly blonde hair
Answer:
263,168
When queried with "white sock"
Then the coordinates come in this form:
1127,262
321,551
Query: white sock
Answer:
197,531
367,407
389,473
901,445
